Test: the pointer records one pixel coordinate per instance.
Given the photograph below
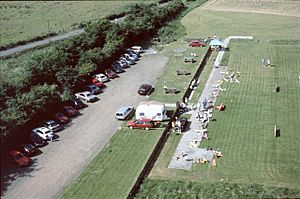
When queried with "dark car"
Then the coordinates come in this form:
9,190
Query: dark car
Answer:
76,103
117,68
61,118
52,125
141,124
37,140
110,74
19,158
93,89
29,149
70,111
145,89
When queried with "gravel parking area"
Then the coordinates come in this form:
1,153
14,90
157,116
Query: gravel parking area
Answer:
63,160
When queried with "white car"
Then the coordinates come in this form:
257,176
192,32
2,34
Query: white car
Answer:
101,77
124,112
137,49
129,56
86,96
43,132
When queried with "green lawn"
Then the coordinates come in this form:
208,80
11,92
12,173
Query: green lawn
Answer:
26,20
244,131
203,23
170,78
113,172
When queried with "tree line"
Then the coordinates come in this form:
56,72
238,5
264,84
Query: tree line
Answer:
34,84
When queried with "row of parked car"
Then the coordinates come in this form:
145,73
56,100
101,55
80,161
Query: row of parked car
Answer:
45,132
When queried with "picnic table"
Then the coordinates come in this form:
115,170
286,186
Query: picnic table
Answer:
169,90
182,72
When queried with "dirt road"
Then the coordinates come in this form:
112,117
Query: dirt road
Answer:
62,161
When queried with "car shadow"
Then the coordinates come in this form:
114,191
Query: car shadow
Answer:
10,172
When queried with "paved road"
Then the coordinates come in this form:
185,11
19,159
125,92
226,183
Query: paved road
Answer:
39,43
62,161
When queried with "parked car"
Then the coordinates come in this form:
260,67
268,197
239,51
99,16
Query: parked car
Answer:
86,96
93,89
97,83
145,89
129,56
19,158
128,61
117,68
132,52
123,63
43,132
37,140
76,103
137,49
197,43
101,77
123,112
110,74
134,55
29,149
70,111
52,125
141,124
61,118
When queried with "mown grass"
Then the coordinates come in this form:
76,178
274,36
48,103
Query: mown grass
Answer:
26,20
176,53
244,131
181,189
204,23
113,171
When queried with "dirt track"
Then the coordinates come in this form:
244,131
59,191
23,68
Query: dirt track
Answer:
62,161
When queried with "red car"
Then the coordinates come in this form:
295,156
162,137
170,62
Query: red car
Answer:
70,111
19,158
197,43
141,124
110,74
98,83
61,118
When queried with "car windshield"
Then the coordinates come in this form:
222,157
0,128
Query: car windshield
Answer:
88,94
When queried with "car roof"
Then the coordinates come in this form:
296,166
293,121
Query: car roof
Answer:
144,120
43,129
86,92
50,122
145,85
123,108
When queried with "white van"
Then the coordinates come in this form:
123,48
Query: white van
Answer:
124,112
137,49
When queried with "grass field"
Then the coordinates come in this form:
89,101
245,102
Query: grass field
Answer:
112,172
244,132
27,19
288,7
203,23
